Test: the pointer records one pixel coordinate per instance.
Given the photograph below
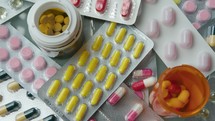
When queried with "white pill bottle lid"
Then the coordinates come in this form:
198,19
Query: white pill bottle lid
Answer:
55,44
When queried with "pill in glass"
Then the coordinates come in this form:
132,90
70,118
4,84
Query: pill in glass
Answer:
142,73
120,35
97,43
83,58
92,65
126,8
59,19
13,86
101,5
9,108
86,89
145,83
111,29
114,60
129,42
124,65
138,50
117,95
76,3
66,20
81,112
62,96
28,114
106,50
69,73
64,27
97,95
110,81
50,118
53,88
169,16
70,106
78,81
57,27
101,73
134,112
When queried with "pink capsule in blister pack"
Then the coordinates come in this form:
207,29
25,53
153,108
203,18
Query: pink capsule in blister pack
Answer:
119,11
23,61
176,41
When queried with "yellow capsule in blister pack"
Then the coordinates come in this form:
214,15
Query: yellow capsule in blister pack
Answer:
78,80
101,73
129,42
87,88
106,50
124,65
92,65
115,58
111,29
138,50
62,96
70,106
96,96
110,81
120,36
68,73
81,112
97,43
83,58
53,88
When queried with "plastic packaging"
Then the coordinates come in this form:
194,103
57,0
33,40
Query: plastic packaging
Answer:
175,50
106,67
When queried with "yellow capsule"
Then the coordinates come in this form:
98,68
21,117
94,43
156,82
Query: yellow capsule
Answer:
70,106
69,73
138,50
110,81
87,88
77,81
96,96
81,112
66,20
62,96
129,42
92,65
115,58
83,58
101,73
111,29
53,88
120,36
97,43
124,65
107,49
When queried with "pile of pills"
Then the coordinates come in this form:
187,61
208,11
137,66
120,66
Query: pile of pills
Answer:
53,22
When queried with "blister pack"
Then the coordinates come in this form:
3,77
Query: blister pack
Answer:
119,11
23,61
11,8
176,40
33,1
95,71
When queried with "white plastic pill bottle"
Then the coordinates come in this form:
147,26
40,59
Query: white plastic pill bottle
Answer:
63,43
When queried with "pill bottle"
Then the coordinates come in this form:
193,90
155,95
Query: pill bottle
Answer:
195,83
63,43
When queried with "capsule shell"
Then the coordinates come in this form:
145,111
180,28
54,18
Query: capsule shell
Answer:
97,43
28,115
101,73
96,96
126,8
68,73
107,49
13,86
70,106
117,95
111,29
138,50
124,65
144,73
115,58
78,81
142,84
101,5
62,96
129,42
81,112
50,118
87,88
120,36
83,58
9,108
53,88
76,3
92,65
134,112
110,81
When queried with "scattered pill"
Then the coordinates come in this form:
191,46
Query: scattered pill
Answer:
96,97
15,64
13,86
114,60
97,43
27,75
111,29
203,15
144,73
107,49
138,50
153,29
169,16
129,42
83,58
9,108
78,81
186,40
38,83
142,84
4,55
81,112
101,73
120,36
86,89
189,6
124,65
204,61
15,43
126,8
53,88
62,96
30,96
76,3
28,114
50,71
40,63
110,81
92,65
26,53
69,73
134,112
171,52
117,95
70,106
101,5
4,32
50,118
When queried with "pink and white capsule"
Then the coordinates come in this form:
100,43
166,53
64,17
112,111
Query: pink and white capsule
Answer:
126,8
144,73
142,84
134,112
117,95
